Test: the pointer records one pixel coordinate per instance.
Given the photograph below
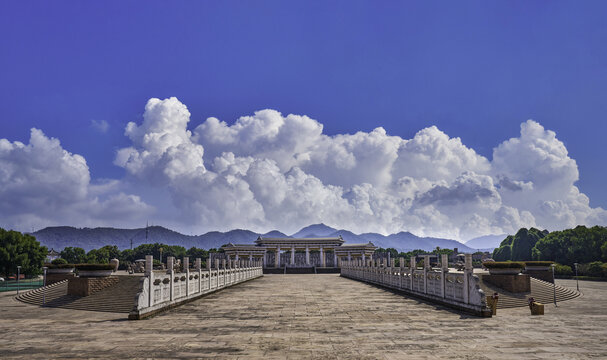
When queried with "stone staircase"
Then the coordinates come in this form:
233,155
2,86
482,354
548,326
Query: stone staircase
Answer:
118,298
541,291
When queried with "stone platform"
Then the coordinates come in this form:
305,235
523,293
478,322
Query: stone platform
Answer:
310,316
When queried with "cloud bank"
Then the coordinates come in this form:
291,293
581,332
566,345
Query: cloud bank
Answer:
269,171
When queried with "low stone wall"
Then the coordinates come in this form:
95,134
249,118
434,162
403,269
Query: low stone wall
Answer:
85,286
55,278
513,283
160,291
453,289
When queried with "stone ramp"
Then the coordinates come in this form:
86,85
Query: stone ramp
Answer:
541,291
117,299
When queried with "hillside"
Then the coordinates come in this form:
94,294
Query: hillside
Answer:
487,242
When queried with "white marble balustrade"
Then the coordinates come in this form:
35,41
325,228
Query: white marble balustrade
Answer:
164,289
460,290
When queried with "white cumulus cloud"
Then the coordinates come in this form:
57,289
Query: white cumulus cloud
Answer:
42,184
268,171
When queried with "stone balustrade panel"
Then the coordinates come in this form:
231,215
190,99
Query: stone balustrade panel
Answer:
160,289
456,289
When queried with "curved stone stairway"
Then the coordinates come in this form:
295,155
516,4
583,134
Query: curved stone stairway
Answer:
541,291
118,298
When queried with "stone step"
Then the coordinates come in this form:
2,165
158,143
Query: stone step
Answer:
541,291
117,298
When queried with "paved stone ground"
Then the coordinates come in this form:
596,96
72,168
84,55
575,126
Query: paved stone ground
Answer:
310,316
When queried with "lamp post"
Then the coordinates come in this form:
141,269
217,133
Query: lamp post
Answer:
44,287
18,276
577,282
553,284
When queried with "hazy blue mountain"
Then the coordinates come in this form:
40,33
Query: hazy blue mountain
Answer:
402,241
486,242
274,234
316,230
87,238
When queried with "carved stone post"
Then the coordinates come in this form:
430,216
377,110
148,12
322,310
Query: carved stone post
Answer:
445,267
149,272
413,266
468,271
186,269
171,271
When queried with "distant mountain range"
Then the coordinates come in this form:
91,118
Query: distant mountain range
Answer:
60,237
486,242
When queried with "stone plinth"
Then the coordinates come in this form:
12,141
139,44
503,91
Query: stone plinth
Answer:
55,278
85,286
512,283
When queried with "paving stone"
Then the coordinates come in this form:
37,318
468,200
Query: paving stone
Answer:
310,316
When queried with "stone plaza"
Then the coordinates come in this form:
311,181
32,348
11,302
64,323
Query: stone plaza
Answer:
322,316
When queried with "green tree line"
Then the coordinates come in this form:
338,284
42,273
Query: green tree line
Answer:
17,249
103,255
577,245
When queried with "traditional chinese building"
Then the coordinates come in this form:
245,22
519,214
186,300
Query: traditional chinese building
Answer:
299,252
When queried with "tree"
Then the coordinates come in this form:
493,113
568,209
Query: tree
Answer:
17,249
74,255
195,252
520,246
103,255
581,245
439,251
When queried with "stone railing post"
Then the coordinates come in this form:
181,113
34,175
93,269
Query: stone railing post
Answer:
186,269
171,272
149,272
401,270
216,273
445,267
223,266
426,268
413,266
198,266
468,271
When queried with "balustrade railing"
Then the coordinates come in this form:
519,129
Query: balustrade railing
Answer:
162,289
459,290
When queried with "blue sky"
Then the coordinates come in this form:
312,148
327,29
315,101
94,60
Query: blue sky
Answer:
476,70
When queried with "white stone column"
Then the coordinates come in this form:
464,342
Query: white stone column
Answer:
349,256
277,258
364,259
250,257
334,258
322,257
236,257
307,255
292,255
